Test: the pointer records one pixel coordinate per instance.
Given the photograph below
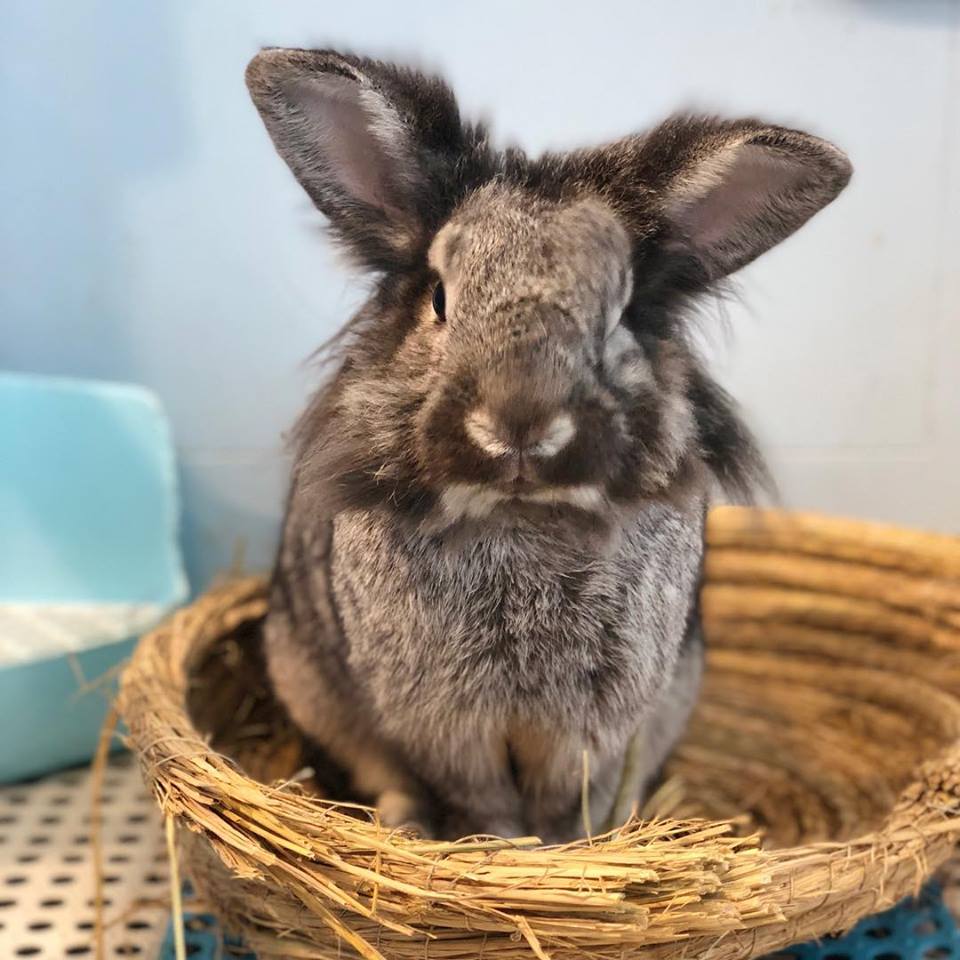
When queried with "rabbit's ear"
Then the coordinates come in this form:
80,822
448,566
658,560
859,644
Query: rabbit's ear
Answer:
727,191
366,140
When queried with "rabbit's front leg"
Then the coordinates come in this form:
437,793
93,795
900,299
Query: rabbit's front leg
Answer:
648,749
475,786
550,769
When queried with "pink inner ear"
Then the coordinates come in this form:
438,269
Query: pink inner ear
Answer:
341,120
725,204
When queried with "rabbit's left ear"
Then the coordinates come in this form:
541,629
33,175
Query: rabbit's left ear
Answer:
369,143
727,191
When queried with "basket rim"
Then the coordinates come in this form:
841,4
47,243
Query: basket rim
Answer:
759,899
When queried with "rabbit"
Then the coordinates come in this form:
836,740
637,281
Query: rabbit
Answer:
487,582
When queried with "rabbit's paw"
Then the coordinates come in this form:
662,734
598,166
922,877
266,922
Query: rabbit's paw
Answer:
399,810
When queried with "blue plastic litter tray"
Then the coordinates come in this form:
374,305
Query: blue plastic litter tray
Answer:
918,928
89,556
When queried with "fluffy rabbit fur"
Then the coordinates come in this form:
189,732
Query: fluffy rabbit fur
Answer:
494,533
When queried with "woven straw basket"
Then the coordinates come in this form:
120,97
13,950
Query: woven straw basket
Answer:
819,781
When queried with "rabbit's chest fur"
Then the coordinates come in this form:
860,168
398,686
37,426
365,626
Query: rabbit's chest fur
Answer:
514,627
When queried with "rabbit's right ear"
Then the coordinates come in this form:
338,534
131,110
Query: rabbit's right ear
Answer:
723,191
368,142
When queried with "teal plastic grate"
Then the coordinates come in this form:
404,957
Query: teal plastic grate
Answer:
916,929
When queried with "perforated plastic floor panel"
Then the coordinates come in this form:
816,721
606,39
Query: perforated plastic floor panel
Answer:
47,874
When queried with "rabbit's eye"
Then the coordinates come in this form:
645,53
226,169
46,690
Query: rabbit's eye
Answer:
440,303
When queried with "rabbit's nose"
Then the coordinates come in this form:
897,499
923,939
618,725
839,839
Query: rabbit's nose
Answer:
500,438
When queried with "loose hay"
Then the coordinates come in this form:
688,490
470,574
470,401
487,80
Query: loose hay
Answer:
821,776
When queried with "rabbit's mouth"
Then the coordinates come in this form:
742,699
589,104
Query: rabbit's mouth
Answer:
470,501
519,486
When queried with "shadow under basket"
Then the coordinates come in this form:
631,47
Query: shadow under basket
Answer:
819,781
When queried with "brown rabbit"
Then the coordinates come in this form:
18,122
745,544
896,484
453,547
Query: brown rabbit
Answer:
494,534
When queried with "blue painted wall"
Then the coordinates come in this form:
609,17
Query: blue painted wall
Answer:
149,233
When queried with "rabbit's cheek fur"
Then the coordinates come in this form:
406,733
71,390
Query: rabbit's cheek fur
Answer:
630,428
446,454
